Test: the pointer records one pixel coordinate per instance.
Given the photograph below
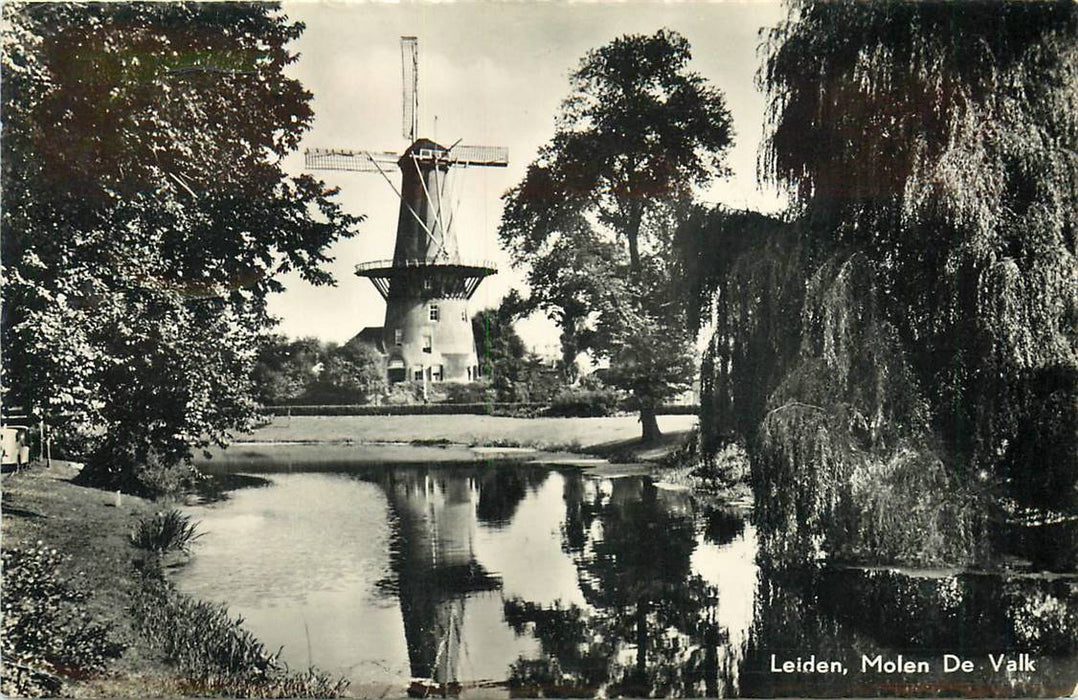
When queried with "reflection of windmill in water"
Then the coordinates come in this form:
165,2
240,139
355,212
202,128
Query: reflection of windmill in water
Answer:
436,570
427,335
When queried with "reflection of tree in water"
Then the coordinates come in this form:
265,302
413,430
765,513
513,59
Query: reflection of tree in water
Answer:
652,628
649,627
722,524
501,491
842,614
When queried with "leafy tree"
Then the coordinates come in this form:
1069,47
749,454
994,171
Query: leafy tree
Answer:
592,217
353,372
286,369
515,374
503,357
146,217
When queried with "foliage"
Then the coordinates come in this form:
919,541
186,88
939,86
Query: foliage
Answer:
502,354
593,217
351,373
403,394
284,369
158,479
745,270
46,631
308,370
896,354
515,374
941,146
214,651
469,393
574,402
649,628
147,216
168,531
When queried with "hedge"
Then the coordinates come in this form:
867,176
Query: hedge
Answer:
429,409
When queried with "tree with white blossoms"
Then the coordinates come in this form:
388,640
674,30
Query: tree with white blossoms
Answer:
146,220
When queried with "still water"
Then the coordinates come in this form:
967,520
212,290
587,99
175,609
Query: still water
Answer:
529,579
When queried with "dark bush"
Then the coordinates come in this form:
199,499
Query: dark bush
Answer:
403,393
471,393
577,403
158,478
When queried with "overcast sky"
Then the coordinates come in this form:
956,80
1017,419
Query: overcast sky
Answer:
491,74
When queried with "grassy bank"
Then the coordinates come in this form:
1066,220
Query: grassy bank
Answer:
87,614
592,435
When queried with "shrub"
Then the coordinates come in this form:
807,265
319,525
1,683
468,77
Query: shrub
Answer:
169,531
403,393
729,465
159,479
574,403
214,651
45,629
473,392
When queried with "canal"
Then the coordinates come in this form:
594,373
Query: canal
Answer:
532,578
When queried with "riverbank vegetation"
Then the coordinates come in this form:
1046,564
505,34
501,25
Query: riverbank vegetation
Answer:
898,353
212,650
88,612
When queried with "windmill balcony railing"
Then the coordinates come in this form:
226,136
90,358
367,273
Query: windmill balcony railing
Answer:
423,262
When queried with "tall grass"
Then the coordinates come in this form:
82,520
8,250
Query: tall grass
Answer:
165,532
213,651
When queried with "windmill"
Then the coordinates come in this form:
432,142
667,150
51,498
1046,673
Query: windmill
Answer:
427,334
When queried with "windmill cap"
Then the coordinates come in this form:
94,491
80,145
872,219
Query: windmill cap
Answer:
430,147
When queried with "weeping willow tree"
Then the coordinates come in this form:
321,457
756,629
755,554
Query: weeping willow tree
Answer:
743,280
931,153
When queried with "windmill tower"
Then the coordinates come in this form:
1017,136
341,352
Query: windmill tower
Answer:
427,334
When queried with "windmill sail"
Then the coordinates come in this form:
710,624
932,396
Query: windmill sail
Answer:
492,156
410,87
355,161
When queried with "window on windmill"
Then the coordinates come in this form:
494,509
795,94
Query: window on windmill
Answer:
434,312
398,336
417,374
428,342
464,315
427,283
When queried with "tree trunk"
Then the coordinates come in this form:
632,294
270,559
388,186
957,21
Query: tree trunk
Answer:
632,234
649,424
642,638
569,349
